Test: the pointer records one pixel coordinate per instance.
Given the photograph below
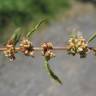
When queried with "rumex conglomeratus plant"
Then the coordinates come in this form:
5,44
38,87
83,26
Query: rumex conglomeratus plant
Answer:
76,45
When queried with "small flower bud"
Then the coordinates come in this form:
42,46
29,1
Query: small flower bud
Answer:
79,49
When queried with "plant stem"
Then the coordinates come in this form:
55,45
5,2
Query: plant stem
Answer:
40,49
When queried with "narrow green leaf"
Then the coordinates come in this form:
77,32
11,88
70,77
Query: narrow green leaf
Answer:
72,34
35,28
51,73
16,36
92,37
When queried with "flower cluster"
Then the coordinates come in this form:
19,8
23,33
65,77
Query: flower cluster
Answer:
47,50
26,47
77,45
10,51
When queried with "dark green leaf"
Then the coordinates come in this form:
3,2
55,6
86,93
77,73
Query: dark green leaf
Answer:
92,37
16,36
51,73
35,28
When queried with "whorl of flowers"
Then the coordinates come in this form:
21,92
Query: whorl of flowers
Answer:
26,47
47,50
10,51
77,45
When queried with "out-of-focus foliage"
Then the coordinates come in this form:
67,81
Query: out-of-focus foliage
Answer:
20,11
89,1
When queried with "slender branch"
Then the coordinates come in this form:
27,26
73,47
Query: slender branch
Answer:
60,48
2,49
39,48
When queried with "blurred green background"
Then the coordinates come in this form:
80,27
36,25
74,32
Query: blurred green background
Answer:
18,13
22,11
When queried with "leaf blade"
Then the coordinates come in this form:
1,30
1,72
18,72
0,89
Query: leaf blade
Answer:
16,36
35,28
51,73
92,37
